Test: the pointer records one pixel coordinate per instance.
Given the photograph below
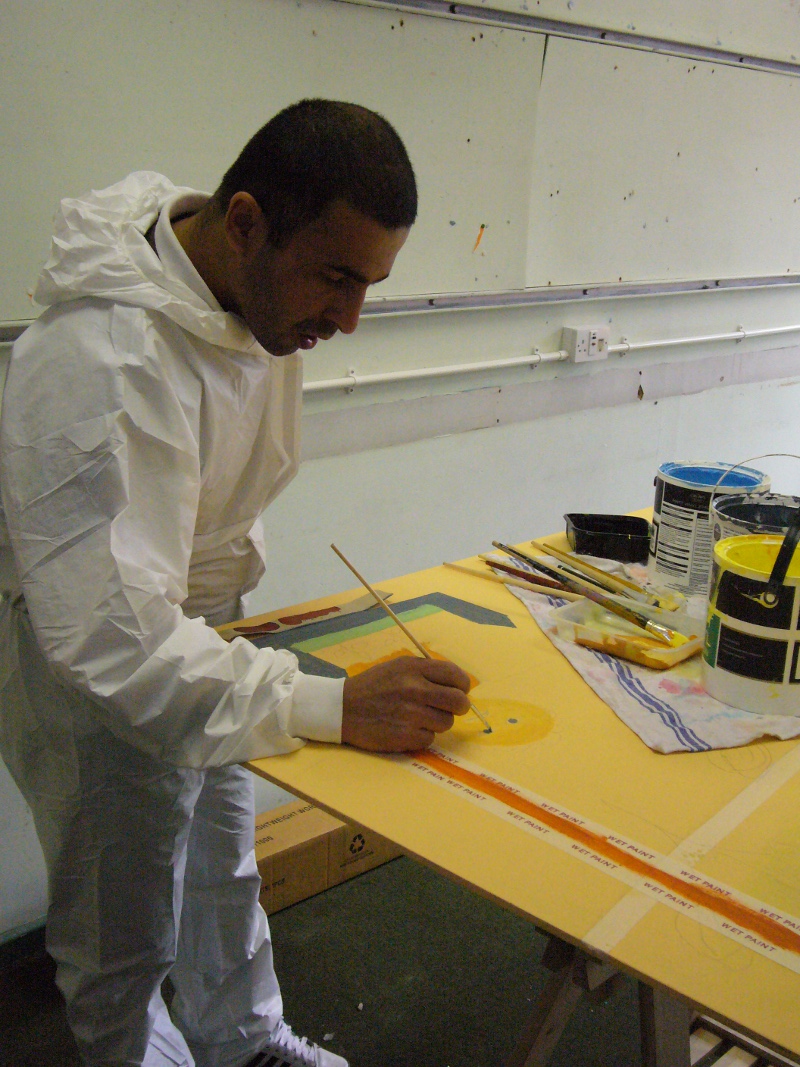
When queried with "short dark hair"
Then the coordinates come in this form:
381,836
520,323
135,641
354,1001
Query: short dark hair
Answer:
318,151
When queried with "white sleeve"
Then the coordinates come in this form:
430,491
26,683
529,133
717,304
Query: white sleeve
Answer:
100,486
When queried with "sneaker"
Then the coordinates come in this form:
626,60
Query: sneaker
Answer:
286,1049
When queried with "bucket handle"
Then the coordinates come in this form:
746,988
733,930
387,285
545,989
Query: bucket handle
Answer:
742,463
781,565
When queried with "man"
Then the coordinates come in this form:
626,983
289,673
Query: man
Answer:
150,415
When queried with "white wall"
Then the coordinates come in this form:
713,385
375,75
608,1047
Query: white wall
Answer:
415,505
405,476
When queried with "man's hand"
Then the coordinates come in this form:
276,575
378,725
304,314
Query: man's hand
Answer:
399,706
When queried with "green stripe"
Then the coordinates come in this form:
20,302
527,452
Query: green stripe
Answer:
337,638
712,639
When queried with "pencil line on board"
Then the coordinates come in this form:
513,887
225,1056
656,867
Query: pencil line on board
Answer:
628,912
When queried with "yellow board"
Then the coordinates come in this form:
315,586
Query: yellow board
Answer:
733,815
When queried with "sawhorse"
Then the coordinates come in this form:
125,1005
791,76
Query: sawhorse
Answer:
672,1033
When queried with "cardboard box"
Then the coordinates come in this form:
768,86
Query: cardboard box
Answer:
301,850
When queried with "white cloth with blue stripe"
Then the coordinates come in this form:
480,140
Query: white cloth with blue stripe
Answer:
669,710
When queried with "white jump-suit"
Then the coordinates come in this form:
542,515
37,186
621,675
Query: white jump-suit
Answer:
144,430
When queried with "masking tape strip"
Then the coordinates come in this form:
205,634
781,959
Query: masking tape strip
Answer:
668,880
624,916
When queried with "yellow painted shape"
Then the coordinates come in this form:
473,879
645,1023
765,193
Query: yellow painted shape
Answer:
445,636
356,654
513,722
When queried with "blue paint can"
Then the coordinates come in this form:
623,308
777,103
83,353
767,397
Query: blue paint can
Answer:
681,545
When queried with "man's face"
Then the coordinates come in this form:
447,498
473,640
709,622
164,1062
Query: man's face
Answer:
294,296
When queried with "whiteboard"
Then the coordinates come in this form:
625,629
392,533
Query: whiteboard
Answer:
651,167
586,163
96,89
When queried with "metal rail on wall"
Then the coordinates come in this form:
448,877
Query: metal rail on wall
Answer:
520,20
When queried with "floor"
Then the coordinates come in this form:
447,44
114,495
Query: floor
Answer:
398,967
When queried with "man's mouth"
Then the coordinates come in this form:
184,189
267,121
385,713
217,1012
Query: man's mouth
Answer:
308,338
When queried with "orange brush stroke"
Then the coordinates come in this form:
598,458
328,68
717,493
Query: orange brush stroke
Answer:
738,914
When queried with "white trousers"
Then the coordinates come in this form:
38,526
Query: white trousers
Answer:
151,873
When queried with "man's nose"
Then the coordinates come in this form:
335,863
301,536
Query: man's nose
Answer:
347,310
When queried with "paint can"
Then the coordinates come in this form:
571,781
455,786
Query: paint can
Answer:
770,513
751,658
681,544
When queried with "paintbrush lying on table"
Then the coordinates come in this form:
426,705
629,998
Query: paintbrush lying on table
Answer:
528,582
612,582
403,627
565,573
526,576
661,633
562,569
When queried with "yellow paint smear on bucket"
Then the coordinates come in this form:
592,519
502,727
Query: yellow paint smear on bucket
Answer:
754,555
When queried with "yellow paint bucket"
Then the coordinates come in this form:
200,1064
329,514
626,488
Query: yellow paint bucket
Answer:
751,657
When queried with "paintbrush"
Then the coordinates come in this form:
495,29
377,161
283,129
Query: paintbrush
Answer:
563,569
526,576
423,651
546,571
655,629
521,583
614,583
611,582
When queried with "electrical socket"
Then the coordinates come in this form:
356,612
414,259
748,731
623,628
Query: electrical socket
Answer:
586,343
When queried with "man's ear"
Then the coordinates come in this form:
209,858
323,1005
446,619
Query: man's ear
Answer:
245,225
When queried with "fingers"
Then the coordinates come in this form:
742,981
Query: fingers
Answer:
435,720
452,701
448,687
432,686
444,673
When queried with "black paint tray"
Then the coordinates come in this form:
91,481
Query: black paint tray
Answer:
622,537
